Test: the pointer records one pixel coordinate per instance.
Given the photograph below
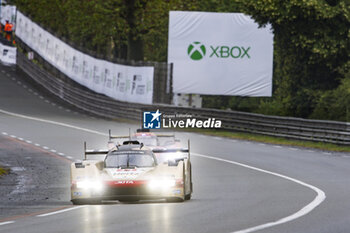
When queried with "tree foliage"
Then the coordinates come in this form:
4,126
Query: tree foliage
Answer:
311,48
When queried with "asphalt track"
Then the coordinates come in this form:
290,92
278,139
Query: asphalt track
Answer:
238,185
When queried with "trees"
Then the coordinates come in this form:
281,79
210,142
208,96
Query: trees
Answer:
50,13
311,48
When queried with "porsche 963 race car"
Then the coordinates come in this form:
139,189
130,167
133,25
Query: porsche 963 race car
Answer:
131,172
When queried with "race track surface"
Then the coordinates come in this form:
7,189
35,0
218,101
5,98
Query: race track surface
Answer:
238,185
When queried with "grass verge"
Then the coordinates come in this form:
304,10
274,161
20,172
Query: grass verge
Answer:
3,171
273,140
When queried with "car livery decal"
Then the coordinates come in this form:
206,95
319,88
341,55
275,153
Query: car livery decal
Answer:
119,183
127,174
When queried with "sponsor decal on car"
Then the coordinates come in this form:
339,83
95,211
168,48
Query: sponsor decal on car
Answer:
124,182
126,173
119,183
176,191
77,193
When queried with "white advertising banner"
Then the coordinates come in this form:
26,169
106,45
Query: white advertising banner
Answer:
8,12
8,54
220,54
121,82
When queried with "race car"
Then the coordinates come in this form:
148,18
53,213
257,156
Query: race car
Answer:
130,172
164,145
150,139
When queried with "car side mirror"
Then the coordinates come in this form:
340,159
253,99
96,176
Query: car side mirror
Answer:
175,162
172,163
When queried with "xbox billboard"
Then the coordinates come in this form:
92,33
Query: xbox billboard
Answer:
220,54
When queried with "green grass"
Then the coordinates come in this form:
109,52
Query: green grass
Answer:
3,171
273,140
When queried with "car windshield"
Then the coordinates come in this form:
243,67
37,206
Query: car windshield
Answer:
146,140
166,141
129,159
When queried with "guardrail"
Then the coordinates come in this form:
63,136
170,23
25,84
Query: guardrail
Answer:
288,127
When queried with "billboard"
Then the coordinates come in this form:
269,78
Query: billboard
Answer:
121,82
220,54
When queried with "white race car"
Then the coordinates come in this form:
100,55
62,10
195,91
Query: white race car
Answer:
131,172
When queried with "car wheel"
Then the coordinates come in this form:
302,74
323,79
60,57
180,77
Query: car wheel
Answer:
188,196
174,199
86,202
76,202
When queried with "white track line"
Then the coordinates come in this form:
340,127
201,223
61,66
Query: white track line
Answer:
60,211
44,147
52,122
320,197
4,223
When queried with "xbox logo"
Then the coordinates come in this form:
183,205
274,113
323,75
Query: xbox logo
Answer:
196,51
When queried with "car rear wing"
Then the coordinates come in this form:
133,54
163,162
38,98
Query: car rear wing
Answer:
156,133
174,150
93,152
117,136
165,135
129,136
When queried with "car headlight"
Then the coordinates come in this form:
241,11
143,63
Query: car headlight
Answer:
90,185
161,183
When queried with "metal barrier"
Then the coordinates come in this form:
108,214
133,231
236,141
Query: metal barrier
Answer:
81,97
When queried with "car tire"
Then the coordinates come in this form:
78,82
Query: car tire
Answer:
86,202
188,196
175,199
184,181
